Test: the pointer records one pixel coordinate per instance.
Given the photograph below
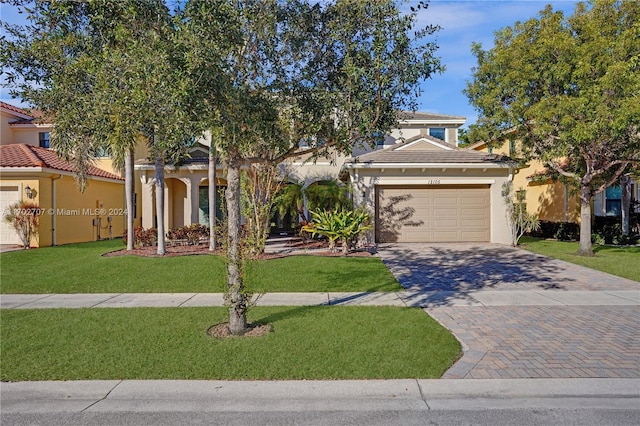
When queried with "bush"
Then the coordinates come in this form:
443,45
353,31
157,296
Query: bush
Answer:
142,237
24,216
191,233
563,231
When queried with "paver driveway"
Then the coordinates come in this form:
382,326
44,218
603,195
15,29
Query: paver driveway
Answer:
595,340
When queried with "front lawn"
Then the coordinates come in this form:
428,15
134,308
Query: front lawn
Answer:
80,268
620,261
346,342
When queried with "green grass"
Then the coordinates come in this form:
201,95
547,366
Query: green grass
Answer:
171,343
620,261
80,268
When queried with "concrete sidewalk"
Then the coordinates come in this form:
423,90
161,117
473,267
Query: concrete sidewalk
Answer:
423,299
310,395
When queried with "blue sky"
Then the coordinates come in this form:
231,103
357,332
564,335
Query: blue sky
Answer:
463,22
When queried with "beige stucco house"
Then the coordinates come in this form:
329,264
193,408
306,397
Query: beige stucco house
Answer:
453,194
418,185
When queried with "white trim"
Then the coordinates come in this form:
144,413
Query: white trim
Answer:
22,115
424,180
30,126
9,171
320,163
381,166
433,122
422,140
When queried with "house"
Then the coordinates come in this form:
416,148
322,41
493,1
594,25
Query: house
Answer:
30,171
551,199
417,183
454,194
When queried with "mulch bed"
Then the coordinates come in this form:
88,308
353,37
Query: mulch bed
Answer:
221,331
298,246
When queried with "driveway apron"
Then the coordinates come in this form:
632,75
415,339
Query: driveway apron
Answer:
595,340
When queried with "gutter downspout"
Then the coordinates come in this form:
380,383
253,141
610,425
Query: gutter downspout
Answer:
54,240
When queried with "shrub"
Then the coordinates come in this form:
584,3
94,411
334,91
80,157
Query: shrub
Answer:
25,219
143,237
564,231
343,224
191,233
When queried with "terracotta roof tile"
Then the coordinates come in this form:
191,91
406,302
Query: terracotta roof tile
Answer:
14,109
22,155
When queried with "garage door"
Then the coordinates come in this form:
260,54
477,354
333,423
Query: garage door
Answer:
416,214
8,196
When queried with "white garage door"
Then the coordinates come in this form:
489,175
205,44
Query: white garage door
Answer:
8,196
417,214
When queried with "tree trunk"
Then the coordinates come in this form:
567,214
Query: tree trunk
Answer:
160,203
625,185
585,222
236,296
211,173
129,191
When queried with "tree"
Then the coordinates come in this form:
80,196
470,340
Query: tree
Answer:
260,183
567,89
108,73
25,219
518,219
331,74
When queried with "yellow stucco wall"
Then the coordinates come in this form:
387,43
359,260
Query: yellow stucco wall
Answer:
546,199
77,211
73,211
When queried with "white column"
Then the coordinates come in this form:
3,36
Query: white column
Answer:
148,207
194,198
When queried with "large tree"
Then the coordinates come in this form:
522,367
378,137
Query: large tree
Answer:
568,90
109,74
332,74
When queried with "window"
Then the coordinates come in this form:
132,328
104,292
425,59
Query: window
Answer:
613,201
437,132
44,140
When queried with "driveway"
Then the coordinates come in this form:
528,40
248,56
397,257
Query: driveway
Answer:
597,339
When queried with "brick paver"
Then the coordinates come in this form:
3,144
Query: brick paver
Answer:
466,267
505,342
545,341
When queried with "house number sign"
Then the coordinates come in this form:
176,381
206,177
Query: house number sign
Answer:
433,182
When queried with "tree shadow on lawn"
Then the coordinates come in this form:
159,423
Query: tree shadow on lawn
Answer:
456,271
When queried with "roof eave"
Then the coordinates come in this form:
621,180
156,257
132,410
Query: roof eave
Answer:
373,165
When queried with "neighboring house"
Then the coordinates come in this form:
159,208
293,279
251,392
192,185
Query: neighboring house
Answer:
30,171
552,200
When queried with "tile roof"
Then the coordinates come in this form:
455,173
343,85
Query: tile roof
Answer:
410,115
28,116
14,108
22,155
393,155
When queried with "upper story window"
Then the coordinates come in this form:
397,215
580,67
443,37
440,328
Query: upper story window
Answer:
437,132
45,142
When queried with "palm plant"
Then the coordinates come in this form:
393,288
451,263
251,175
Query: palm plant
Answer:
344,225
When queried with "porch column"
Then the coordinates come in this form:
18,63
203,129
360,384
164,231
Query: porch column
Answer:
148,207
194,198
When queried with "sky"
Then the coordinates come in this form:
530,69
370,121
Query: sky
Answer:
462,21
